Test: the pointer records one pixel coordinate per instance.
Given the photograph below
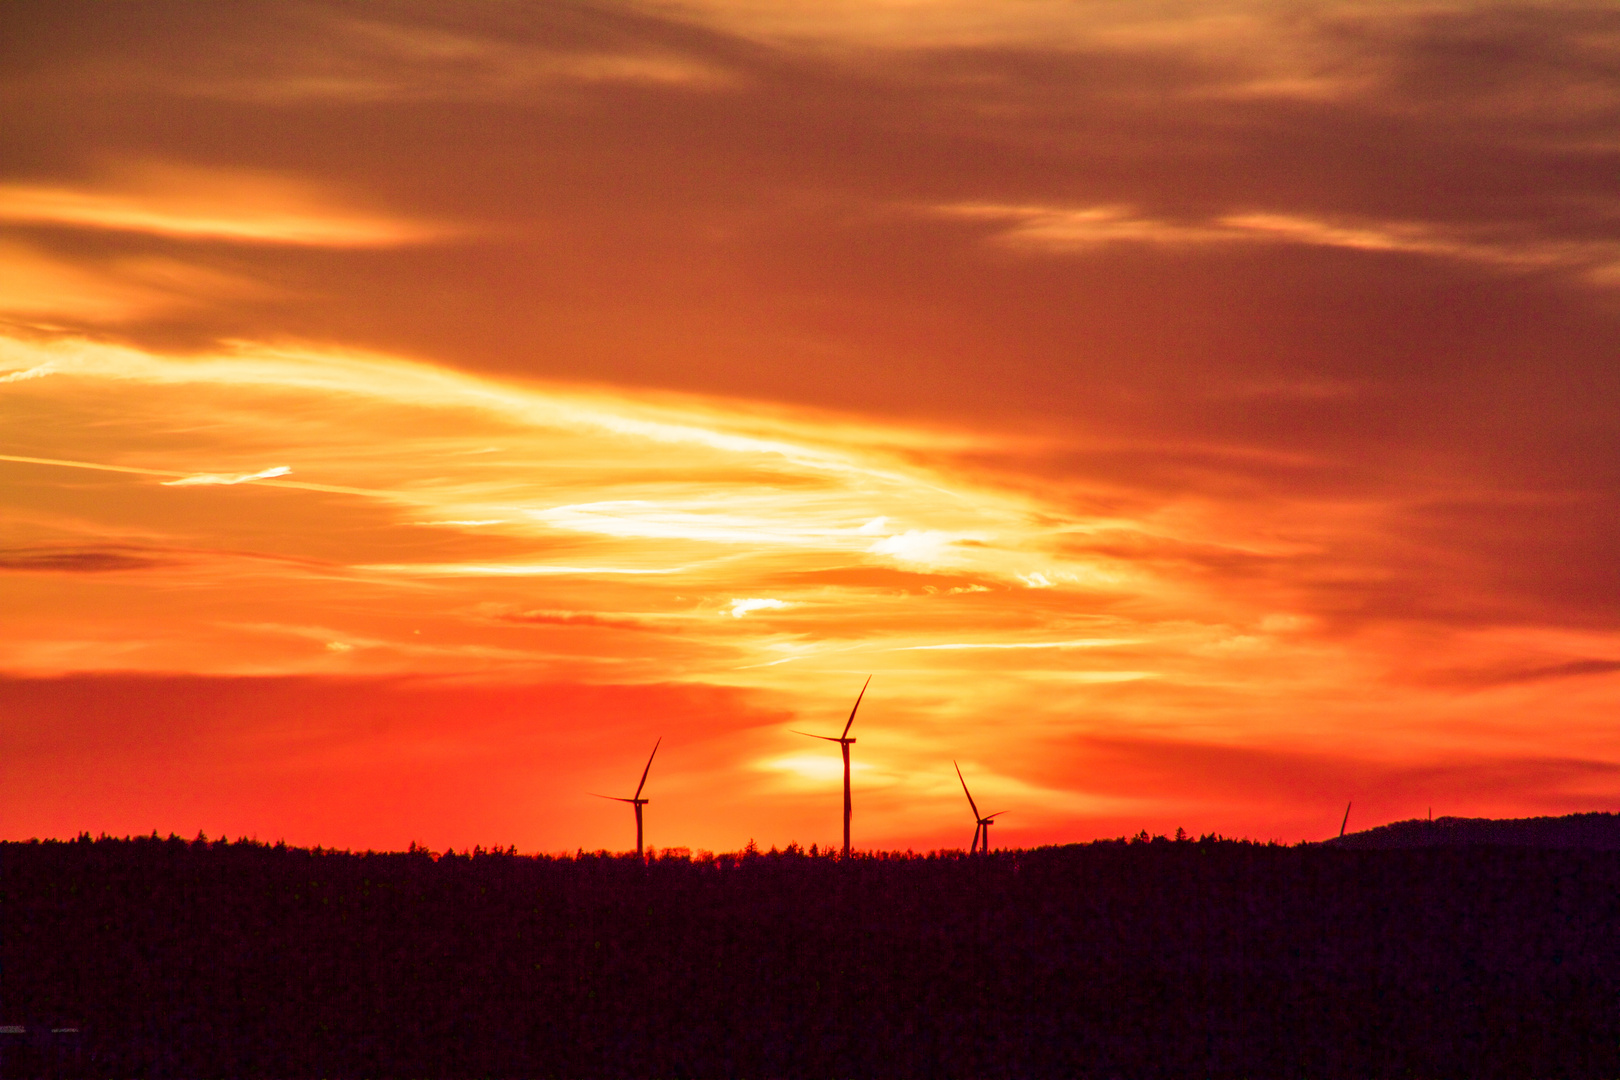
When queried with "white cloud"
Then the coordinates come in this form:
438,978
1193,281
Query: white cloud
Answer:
918,545
228,478
34,372
739,608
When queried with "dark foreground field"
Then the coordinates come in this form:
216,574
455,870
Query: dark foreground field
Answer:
1175,959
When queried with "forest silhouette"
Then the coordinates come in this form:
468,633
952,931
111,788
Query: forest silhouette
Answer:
1150,957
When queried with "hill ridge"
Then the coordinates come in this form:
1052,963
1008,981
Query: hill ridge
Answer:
1597,830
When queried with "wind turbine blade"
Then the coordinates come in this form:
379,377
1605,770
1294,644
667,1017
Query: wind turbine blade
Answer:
615,798
995,815
829,738
1346,820
648,769
965,791
858,697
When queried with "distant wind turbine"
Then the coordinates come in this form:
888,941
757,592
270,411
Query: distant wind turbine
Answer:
636,800
982,823
1346,820
844,743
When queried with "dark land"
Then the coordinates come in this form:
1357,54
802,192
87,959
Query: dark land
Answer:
1144,958
1600,832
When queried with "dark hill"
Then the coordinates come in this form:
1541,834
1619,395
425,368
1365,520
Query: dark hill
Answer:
1599,832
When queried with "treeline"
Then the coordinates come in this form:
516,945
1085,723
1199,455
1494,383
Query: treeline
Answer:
1151,958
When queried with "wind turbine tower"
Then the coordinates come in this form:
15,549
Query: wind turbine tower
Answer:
844,743
983,824
636,800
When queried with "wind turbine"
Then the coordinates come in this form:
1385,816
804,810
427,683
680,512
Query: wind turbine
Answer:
844,743
636,800
983,823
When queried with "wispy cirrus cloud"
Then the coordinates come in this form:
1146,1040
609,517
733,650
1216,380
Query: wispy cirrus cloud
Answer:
1510,674
38,371
573,618
208,204
347,58
228,479
98,559
37,284
474,570
1084,643
1077,229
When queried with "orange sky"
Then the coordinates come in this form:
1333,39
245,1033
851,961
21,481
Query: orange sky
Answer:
1193,415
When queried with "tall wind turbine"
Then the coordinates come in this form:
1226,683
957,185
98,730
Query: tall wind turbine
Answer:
983,823
844,743
636,800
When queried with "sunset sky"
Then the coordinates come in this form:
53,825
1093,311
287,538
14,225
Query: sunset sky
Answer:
1189,414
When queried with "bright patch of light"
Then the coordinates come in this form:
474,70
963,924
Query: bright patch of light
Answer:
739,608
1093,676
231,478
1082,643
663,521
214,204
512,570
818,767
465,524
925,546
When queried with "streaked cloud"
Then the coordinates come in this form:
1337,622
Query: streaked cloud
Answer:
228,478
509,569
36,372
1060,229
34,285
358,59
191,203
739,608
573,618
1092,643
38,286
99,559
